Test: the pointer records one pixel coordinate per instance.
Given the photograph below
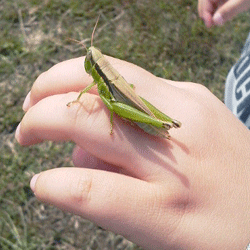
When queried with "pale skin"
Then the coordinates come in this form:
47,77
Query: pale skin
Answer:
217,12
190,192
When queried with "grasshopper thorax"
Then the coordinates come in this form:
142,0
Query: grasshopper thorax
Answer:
93,63
92,57
94,54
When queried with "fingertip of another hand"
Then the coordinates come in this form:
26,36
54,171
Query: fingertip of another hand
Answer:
207,18
218,19
208,23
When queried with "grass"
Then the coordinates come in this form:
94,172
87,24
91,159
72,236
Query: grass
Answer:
167,38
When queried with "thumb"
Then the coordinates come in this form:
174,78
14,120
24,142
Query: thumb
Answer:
108,199
228,10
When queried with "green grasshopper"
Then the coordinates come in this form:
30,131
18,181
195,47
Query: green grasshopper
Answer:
120,98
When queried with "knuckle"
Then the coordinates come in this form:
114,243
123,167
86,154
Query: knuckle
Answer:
81,187
90,114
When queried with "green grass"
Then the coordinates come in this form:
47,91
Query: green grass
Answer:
167,38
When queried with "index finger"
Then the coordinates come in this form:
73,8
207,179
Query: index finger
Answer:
70,76
62,78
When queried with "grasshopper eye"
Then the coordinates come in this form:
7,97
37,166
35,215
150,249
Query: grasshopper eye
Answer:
89,55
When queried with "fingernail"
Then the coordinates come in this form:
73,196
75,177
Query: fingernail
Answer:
218,19
26,102
17,132
33,182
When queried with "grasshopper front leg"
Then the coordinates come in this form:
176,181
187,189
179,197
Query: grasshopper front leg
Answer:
81,93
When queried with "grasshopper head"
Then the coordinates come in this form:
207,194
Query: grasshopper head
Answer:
91,62
92,57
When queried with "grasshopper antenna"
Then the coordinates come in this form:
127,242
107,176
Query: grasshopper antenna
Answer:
79,42
92,36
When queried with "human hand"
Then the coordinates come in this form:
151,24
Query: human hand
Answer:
217,12
190,192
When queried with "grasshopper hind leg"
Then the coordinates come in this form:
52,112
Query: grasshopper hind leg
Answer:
176,124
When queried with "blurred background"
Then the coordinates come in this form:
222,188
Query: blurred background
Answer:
166,38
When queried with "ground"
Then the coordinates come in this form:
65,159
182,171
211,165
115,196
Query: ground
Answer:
165,37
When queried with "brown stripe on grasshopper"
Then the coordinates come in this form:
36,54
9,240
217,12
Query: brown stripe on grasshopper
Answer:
115,81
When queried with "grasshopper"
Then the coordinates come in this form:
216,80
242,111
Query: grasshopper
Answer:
120,98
